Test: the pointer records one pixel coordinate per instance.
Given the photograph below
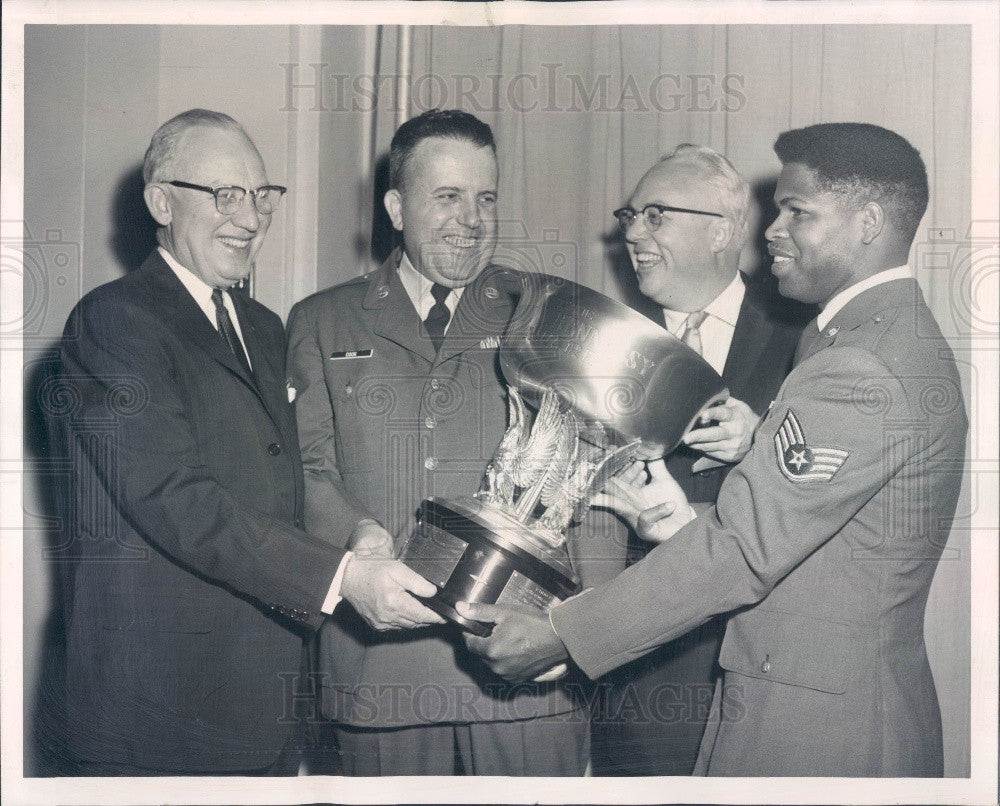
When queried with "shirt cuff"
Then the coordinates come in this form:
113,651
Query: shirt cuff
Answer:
333,596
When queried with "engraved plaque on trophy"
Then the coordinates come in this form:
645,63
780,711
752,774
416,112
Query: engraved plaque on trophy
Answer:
592,385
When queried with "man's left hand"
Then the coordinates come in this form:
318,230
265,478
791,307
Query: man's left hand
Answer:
522,645
730,440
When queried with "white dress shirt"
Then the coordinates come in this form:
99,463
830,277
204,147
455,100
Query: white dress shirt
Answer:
418,289
838,301
720,324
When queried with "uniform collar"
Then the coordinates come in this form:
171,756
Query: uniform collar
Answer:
838,301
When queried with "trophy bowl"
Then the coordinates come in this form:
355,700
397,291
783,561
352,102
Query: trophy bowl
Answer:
607,386
613,366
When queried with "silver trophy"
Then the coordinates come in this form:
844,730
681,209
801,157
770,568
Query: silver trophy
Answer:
606,386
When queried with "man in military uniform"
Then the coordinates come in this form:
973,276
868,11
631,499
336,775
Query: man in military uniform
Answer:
826,536
400,397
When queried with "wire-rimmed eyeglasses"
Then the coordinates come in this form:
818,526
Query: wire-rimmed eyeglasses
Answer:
652,214
229,198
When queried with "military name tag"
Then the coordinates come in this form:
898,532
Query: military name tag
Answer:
340,355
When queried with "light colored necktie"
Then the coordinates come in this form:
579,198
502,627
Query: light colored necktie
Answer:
692,334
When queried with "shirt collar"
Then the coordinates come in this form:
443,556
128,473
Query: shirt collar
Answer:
198,288
418,287
726,306
838,301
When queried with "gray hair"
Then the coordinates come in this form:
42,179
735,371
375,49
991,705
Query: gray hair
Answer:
160,161
733,190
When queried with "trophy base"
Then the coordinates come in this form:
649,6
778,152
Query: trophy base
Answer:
474,552
441,605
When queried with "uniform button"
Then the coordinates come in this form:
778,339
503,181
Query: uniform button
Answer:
430,422
299,524
876,318
348,390
435,384
430,463
274,449
833,331
765,666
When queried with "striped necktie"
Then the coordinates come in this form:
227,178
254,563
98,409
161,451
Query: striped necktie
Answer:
228,332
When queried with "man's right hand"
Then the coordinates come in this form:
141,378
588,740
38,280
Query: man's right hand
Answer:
380,587
649,499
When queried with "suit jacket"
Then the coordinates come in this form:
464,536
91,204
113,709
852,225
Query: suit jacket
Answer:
827,536
189,580
384,423
655,707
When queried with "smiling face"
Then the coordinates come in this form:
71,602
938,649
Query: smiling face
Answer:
219,248
816,239
447,209
678,264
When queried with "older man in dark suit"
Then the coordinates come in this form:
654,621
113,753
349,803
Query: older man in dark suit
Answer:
194,581
826,536
686,224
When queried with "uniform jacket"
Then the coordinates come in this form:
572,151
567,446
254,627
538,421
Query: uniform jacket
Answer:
826,536
383,424
655,706
187,583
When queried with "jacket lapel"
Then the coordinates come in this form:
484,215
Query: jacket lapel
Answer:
395,317
750,339
190,324
483,313
270,381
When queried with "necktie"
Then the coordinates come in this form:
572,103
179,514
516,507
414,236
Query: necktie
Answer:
438,315
228,332
692,335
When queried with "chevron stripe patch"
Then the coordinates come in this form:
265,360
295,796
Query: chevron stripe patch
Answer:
800,461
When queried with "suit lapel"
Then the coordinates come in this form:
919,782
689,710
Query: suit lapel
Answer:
191,326
749,343
270,381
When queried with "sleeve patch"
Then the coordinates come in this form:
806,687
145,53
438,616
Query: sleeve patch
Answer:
801,462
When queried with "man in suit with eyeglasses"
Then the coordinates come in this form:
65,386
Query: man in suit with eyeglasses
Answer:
192,581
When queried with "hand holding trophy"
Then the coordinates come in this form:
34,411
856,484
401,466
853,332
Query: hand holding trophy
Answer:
608,386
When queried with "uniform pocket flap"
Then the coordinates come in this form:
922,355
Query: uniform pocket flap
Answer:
788,648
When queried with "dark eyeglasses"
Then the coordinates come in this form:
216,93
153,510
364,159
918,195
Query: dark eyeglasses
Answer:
229,198
652,214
